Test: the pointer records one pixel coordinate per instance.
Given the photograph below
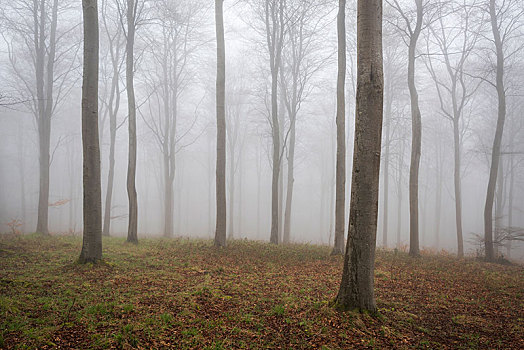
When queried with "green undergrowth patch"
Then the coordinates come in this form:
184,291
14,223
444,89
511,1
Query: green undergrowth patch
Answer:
186,294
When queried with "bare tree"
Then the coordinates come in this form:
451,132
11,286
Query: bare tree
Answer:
455,46
115,42
92,242
172,42
411,32
272,15
220,233
301,60
505,22
356,287
35,40
132,11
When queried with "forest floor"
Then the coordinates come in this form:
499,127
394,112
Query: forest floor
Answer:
185,294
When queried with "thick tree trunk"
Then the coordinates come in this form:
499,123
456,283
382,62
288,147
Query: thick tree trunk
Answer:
132,234
340,176
356,288
92,237
497,141
416,143
221,219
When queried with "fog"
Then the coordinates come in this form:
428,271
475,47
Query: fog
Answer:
175,72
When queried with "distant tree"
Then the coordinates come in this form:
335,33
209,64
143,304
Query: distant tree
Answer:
356,288
410,24
301,60
111,100
271,14
172,41
92,237
220,233
132,14
42,57
455,46
506,26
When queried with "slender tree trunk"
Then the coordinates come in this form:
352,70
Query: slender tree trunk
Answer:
168,197
510,201
438,204
416,143
132,231
399,205
499,206
220,233
92,238
45,84
290,179
259,184
240,177
340,177
114,106
232,165
356,288
275,43
458,187
387,124
21,174
497,141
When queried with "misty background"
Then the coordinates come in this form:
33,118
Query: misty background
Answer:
177,37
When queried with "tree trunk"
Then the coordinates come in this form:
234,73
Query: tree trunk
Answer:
231,190
499,206
416,143
340,177
45,84
290,180
220,233
495,154
458,187
510,201
132,234
92,237
275,43
21,174
387,124
356,288
438,204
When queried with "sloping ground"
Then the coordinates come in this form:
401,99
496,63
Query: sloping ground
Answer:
186,294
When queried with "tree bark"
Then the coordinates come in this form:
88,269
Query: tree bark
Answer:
132,231
497,141
416,143
356,288
220,233
92,237
340,177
